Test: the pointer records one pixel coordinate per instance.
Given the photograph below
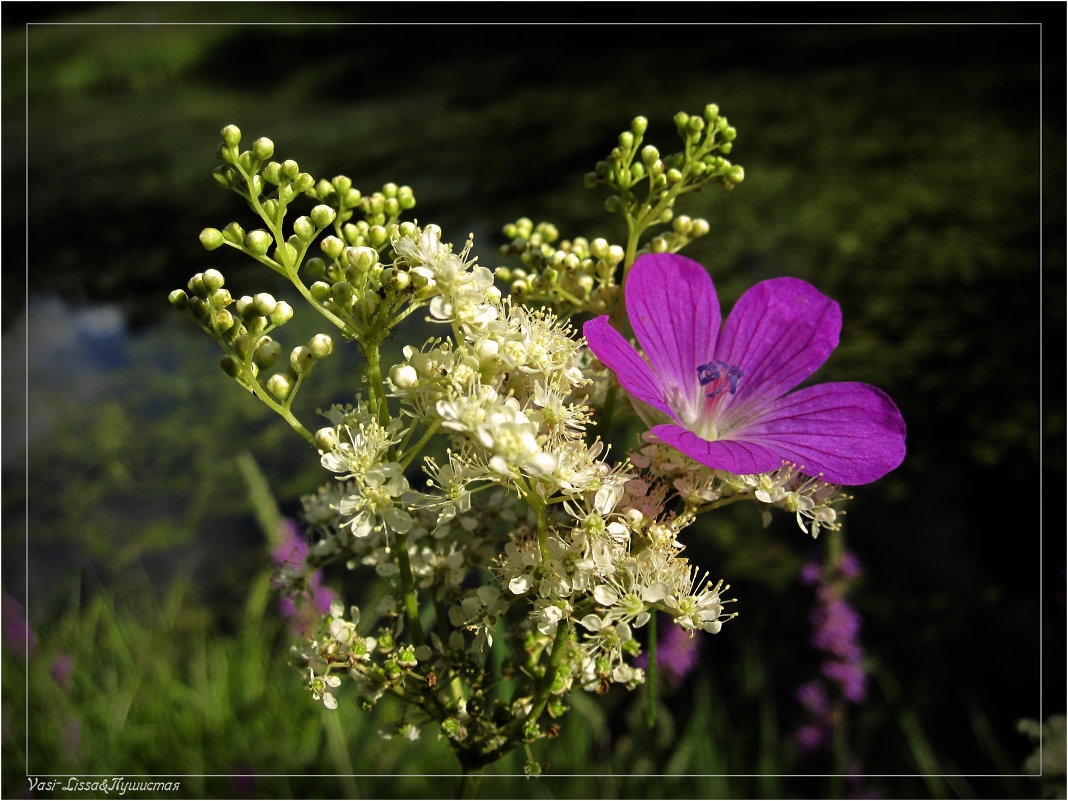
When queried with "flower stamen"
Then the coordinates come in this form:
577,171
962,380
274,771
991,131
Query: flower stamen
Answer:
719,376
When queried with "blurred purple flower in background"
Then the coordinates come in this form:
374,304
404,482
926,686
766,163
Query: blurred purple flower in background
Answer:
835,632
309,601
62,669
676,652
17,634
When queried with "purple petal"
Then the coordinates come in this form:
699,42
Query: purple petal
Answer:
779,332
734,456
845,433
674,311
621,358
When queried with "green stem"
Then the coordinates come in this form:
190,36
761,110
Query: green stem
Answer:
252,385
470,782
650,675
411,453
411,602
563,632
541,512
375,389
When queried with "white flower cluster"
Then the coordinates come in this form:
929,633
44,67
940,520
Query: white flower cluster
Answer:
576,547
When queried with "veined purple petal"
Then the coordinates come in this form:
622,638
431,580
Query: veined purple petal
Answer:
621,358
778,333
674,311
734,456
847,433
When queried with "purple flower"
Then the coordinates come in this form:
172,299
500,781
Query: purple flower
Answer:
62,669
726,391
17,633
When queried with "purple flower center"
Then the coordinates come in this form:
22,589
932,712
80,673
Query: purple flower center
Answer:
718,376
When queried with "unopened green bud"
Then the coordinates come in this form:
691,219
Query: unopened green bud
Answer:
231,135
282,313
178,299
392,207
362,258
303,182
290,169
280,385
321,346
613,204
332,246
695,126
615,254
300,359
197,287
658,245
700,228
320,290
263,148
304,228
266,352
224,321
399,280
674,176
711,112
211,238
322,216
626,140
230,366
352,198
326,439
736,174
199,308
272,173
650,155
639,124
225,176
258,242
264,304
405,198
234,233
378,235
342,183
244,306
599,248
315,267
342,292
213,279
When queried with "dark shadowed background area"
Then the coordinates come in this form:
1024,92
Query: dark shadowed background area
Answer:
910,171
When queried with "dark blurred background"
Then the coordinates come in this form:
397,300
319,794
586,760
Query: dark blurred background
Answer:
911,166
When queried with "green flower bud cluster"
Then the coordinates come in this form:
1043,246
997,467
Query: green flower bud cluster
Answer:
577,273
352,282
269,187
381,210
243,332
707,139
684,230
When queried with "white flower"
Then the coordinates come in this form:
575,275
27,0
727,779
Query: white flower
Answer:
372,506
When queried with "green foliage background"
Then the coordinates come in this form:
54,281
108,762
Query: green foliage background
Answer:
897,167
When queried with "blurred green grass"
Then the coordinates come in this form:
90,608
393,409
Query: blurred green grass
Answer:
895,167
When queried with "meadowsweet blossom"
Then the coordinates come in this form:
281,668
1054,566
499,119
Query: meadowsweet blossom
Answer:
726,393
